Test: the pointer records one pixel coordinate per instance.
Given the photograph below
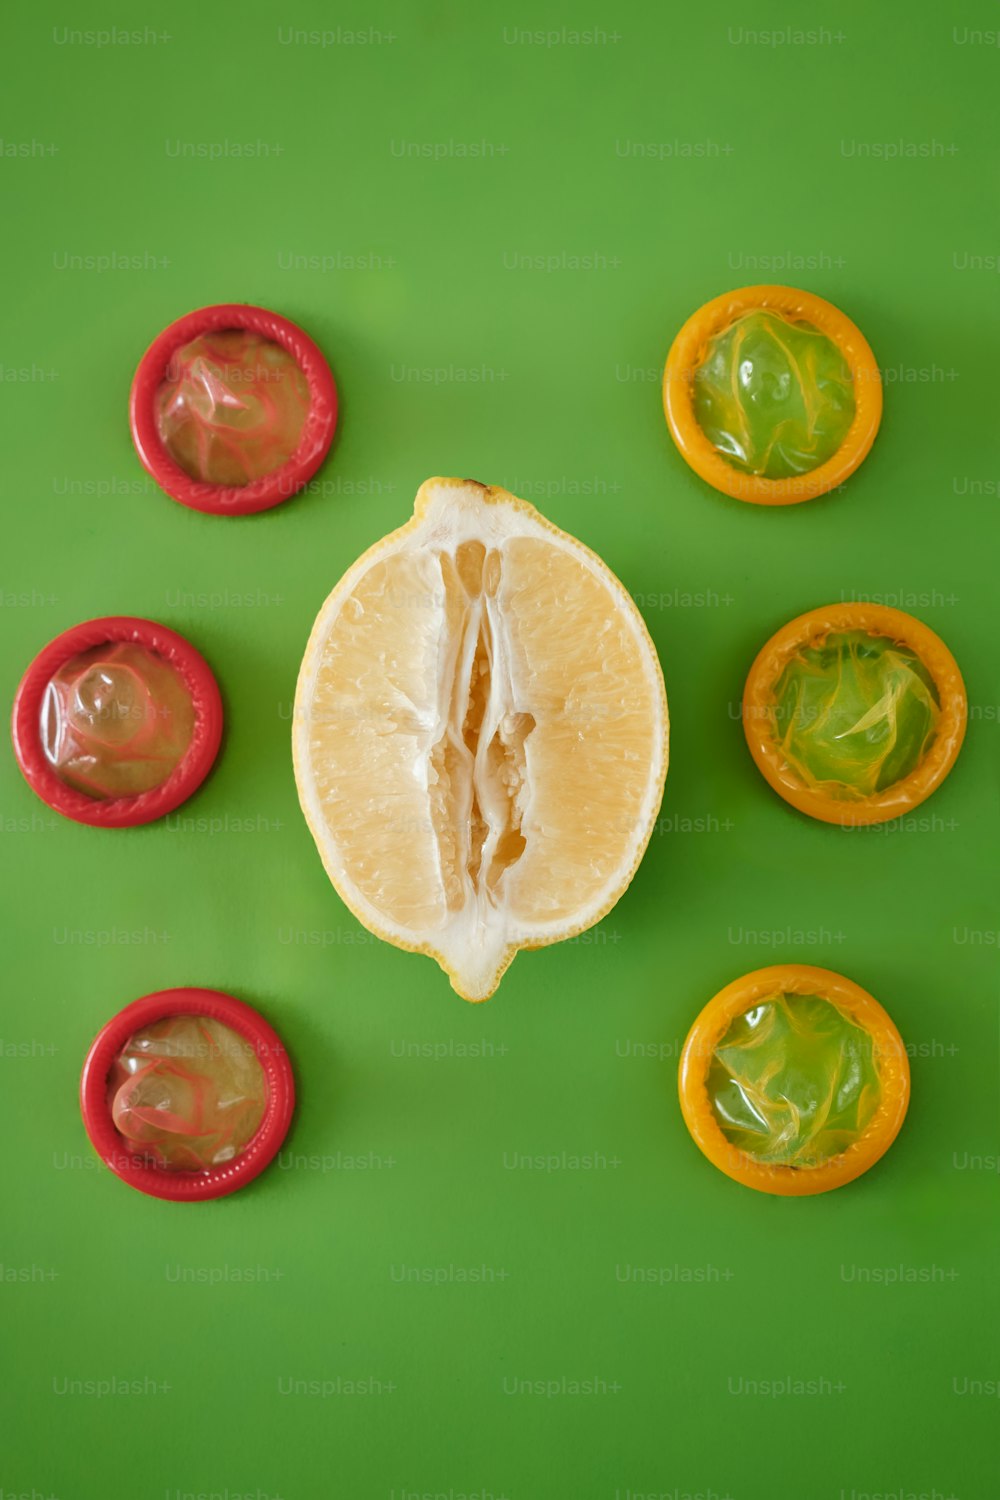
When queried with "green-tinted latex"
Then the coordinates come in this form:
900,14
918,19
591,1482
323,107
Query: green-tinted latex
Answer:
793,1081
775,398
854,713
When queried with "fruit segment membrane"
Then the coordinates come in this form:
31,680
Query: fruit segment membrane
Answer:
231,407
187,1093
854,713
793,1081
116,720
484,735
773,396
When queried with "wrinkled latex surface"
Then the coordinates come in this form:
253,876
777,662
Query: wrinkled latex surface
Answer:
854,713
776,398
188,1093
232,407
116,720
793,1081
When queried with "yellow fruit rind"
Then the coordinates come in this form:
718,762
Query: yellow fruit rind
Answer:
490,495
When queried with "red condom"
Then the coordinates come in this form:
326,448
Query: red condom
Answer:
233,409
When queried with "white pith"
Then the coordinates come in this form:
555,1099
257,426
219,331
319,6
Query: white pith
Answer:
489,783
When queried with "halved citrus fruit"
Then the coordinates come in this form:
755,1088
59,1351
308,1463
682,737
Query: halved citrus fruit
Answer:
480,734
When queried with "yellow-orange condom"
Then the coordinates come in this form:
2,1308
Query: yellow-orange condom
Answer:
772,395
794,1080
854,713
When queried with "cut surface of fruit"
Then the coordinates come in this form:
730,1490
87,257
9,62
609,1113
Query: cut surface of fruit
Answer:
480,734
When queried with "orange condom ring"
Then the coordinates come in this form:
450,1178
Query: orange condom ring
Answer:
856,1028
801,312
790,726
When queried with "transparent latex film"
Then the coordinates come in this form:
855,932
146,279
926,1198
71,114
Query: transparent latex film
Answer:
793,1082
232,407
854,713
774,397
187,1093
116,721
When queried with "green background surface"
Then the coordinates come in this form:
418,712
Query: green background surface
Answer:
494,240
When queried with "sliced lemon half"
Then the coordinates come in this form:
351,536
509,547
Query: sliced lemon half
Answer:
480,734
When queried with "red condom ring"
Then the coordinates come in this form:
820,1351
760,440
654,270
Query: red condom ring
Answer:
118,812
187,1187
281,483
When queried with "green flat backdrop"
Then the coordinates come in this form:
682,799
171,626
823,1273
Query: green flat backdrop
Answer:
494,237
